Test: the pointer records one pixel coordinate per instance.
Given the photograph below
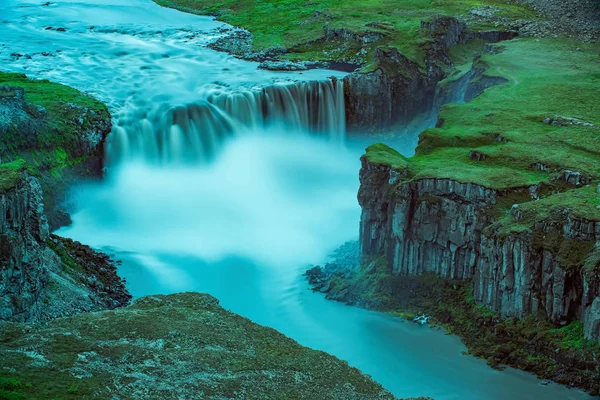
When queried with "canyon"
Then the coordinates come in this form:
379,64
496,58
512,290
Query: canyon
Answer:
489,205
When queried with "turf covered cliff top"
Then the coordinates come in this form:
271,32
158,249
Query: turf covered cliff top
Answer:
10,174
163,347
44,122
542,128
353,29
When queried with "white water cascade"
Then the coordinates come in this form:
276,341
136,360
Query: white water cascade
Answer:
194,132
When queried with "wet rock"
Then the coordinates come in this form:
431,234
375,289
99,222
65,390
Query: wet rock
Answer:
283,66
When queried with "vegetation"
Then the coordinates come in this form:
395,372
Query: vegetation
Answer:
12,389
179,346
55,129
47,128
10,174
299,25
531,131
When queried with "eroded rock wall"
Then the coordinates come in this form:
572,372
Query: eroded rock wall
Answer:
43,276
398,89
442,226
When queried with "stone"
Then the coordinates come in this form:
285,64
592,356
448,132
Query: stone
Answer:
438,226
37,268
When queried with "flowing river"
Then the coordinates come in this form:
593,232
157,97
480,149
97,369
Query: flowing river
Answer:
226,179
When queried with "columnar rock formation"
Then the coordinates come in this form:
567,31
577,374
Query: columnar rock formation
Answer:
445,227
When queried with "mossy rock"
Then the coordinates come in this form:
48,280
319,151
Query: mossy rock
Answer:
177,346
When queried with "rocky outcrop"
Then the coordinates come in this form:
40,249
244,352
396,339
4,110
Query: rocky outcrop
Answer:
445,227
44,276
172,347
398,90
63,140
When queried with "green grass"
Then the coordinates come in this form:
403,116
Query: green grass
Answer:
49,94
381,154
57,128
187,334
12,389
505,124
546,77
293,23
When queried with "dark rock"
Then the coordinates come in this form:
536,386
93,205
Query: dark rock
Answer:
43,276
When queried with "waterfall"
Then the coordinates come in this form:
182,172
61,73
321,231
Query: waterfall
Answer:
194,132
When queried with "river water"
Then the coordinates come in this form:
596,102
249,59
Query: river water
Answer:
216,185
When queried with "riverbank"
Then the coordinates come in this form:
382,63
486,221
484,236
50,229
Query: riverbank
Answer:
532,344
182,345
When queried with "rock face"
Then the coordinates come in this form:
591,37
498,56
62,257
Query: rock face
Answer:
172,347
64,141
399,89
44,276
444,227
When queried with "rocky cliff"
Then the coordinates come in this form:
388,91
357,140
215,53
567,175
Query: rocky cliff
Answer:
446,227
43,276
394,90
172,347
58,130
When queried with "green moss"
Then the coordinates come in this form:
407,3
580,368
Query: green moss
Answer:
12,389
505,123
56,130
187,334
48,94
294,23
10,174
554,209
67,261
381,154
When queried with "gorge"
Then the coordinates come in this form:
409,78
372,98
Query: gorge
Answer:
231,180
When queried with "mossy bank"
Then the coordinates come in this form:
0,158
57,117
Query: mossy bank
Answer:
169,347
533,343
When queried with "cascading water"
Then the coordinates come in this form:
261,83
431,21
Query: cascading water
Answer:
194,132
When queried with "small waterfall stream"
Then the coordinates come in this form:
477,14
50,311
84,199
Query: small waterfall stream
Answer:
194,132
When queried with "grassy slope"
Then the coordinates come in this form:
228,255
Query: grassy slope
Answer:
10,174
546,77
178,346
291,23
